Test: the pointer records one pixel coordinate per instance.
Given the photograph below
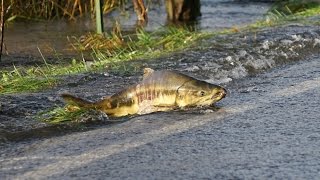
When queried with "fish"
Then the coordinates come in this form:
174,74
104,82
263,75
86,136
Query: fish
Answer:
162,90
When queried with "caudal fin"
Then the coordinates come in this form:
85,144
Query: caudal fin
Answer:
70,99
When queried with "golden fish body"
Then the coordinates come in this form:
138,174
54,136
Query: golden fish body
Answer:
158,91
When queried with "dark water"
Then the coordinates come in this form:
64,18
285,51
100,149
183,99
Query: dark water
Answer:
24,38
216,15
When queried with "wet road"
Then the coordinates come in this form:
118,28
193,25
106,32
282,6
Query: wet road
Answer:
268,127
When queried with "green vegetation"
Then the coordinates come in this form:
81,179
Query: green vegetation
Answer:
288,10
290,7
75,115
51,9
35,78
59,115
141,43
31,80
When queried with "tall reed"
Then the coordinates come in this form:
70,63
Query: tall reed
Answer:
51,9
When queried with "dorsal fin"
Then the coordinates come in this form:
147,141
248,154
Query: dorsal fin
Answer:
147,72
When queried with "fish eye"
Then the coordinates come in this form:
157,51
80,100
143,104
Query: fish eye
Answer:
202,93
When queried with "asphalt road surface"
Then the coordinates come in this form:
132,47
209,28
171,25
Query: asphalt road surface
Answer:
267,127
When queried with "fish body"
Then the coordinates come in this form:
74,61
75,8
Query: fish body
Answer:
158,91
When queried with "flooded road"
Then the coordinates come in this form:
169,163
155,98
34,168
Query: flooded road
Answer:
267,127
223,60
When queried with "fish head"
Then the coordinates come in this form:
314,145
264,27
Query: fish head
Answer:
199,93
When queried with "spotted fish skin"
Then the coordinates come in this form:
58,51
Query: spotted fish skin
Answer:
158,91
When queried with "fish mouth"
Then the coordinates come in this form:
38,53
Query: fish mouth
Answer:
222,94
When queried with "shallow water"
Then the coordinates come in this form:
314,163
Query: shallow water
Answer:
24,38
216,15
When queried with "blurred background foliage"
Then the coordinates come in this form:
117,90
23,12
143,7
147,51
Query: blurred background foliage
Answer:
71,9
289,7
52,9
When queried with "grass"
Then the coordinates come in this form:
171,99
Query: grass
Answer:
117,46
76,115
290,7
115,49
33,79
309,12
20,80
62,114
288,10
53,9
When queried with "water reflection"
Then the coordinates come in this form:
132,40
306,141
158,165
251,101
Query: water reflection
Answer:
24,38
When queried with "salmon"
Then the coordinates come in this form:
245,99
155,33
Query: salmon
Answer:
158,91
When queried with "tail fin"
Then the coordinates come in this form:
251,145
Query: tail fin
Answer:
70,99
